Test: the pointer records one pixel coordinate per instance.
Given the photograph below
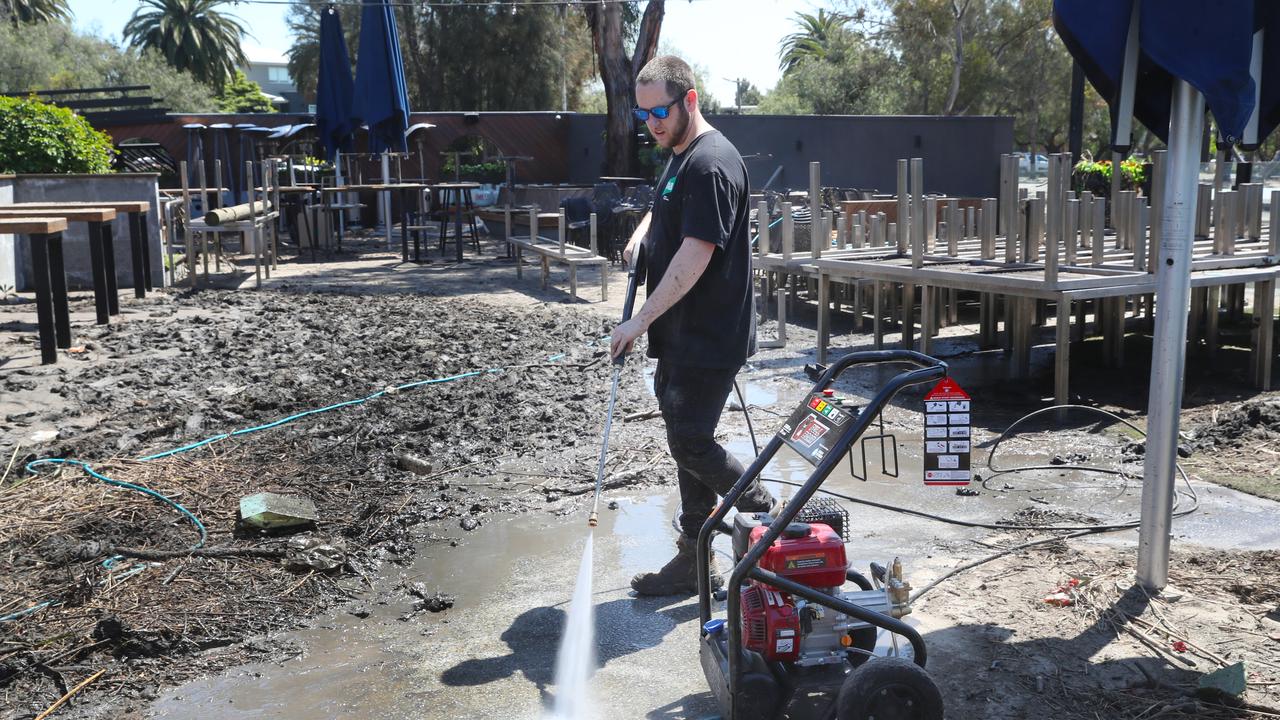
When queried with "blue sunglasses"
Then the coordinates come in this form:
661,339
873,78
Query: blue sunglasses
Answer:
661,112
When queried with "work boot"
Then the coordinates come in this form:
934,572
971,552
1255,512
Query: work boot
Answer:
678,577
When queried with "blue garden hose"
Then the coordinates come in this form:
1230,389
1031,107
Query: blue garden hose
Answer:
200,528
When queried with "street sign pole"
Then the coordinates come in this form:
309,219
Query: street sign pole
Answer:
1173,290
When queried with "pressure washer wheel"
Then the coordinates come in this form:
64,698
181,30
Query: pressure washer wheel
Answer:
889,688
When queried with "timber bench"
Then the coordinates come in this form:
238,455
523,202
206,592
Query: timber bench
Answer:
106,295
549,251
139,249
53,318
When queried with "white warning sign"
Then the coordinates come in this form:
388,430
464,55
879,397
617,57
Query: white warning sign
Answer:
947,435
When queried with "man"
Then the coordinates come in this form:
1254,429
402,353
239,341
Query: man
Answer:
699,311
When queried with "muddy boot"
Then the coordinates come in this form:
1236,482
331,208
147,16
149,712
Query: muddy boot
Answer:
678,577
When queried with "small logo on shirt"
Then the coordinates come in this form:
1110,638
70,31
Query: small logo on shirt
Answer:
671,185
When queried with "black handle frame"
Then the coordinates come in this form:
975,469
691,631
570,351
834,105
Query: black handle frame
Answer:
928,369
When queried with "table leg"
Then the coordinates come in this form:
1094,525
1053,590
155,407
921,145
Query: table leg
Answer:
404,228
39,245
98,267
457,223
58,287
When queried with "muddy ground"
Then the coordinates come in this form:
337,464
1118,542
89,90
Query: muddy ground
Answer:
417,466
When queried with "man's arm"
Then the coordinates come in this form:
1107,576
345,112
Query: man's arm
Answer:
686,267
637,237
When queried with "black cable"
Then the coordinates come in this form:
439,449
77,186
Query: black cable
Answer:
750,428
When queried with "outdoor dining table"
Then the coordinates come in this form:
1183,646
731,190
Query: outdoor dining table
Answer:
102,260
53,318
139,248
461,192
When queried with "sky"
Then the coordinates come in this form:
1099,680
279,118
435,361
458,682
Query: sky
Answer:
727,38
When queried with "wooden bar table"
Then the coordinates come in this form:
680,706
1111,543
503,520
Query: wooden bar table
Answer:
52,316
106,298
139,248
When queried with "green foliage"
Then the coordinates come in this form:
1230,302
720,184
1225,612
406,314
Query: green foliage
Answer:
813,40
1095,176
937,57
483,172
36,137
30,12
53,56
192,35
472,57
851,78
242,95
745,93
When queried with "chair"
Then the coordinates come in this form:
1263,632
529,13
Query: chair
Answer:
577,219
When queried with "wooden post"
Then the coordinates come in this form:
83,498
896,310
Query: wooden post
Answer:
1070,232
930,223
595,243
1264,319
824,314
788,232
1009,207
877,316
1204,205
928,317
990,221
762,223
816,232
561,228
904,208
1062,356
908,314
917,219
1035,231
1099,227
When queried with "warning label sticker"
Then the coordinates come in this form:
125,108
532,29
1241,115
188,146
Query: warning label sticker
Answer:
948,410
809,431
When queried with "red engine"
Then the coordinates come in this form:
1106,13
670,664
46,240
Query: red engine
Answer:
815,559
770,621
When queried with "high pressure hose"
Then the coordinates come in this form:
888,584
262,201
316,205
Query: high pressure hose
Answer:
1072,531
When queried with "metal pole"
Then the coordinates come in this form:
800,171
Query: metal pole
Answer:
1173,288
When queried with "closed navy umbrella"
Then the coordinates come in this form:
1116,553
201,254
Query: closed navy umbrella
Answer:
334,88
381,97
1163,61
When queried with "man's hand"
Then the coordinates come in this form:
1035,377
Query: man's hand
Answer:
624,336
630,250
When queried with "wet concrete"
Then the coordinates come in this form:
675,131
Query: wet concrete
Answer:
494,652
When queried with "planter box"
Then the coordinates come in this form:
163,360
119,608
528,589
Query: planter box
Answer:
15,265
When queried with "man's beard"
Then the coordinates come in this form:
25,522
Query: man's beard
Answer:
675,135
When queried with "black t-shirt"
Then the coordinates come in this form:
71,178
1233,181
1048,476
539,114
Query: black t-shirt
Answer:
703,194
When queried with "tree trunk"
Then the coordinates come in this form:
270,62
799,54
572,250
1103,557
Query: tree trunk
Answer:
957,56
618,72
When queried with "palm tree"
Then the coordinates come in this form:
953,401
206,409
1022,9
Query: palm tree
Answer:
33,11
192,35
813,40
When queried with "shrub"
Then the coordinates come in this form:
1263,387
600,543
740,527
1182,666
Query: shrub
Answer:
37,137
1096,176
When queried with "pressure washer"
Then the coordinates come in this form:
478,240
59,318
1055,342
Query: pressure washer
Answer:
793,643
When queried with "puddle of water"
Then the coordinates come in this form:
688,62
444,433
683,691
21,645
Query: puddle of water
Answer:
755,393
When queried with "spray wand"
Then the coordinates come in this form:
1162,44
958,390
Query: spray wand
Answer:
635,272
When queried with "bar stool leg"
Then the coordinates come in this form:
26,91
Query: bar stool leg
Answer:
44,298
98,267
135,255
457,221
109,265
58,288
141,219
471,214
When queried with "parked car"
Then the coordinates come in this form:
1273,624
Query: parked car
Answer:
1025,164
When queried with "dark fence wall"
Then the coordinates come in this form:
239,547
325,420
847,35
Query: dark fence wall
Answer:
961,154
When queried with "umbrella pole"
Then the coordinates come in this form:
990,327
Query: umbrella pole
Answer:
1173,288
340,197
384,197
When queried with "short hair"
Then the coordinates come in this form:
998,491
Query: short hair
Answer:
670,70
